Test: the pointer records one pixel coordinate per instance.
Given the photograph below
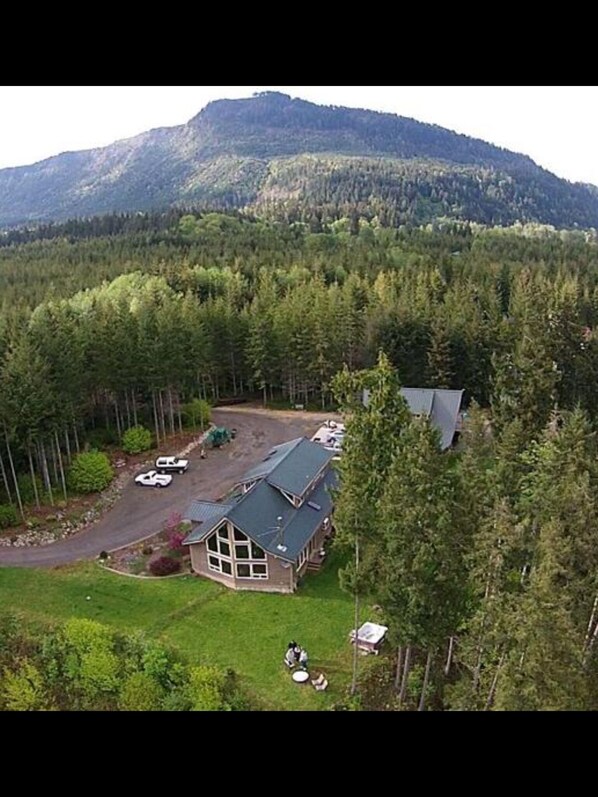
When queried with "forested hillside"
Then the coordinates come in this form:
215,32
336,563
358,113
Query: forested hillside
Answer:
222,305
487,576
295,160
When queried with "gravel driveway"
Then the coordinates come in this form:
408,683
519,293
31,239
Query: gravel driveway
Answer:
141,511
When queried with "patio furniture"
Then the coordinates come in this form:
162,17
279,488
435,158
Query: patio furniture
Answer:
369,637
300,676
320,683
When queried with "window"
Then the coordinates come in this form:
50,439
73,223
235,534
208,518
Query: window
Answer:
295,501
224,548
219,555
218,543
248,570
257,552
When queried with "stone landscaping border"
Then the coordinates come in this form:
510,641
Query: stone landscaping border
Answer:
39,536
138,575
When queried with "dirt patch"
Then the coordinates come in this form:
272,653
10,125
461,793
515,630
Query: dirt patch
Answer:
302,415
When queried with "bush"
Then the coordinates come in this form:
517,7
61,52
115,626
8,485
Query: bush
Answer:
90,472
175,533
175,540
8,516
164,566
137,566
196,413
140,692
25,483
101,437
147,550
137,439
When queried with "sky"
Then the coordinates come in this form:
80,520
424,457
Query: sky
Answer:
557,126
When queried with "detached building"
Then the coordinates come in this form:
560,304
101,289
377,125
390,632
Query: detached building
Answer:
271,530
441,406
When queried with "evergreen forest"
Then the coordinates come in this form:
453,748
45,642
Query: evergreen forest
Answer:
116,321
488,575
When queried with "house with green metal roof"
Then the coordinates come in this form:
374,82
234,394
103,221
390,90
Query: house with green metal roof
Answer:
442,407
272,529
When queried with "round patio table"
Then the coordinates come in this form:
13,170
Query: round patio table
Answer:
300,676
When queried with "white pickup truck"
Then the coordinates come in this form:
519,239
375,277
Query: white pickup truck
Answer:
171,465
152,479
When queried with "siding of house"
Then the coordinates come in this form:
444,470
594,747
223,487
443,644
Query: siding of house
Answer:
280,579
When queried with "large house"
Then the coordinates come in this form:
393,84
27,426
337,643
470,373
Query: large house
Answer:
272,528
441,406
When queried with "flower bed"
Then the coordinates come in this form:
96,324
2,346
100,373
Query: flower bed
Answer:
141,558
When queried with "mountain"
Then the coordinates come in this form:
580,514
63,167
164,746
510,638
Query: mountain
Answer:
289,158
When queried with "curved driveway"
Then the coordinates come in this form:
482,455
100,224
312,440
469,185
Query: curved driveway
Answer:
140,512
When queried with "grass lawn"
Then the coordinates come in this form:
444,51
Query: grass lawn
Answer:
247,631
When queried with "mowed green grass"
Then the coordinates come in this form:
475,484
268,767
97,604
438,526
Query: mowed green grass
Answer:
247,631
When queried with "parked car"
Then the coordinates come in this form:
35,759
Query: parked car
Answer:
153,479
171,465
334,425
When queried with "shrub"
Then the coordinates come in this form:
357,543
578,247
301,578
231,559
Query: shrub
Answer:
103,555
175,533
175,540
173,522
196,413
137,439
147,550
164,566
212,689
90,472
140,692
137,566
8,516
101,437
25,483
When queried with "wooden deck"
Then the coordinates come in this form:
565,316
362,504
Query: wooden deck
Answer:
315,561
